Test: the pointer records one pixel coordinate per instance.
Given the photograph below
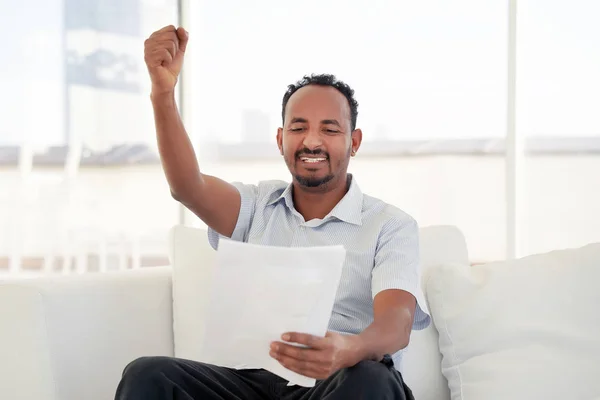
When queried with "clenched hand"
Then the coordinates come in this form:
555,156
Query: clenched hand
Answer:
163,53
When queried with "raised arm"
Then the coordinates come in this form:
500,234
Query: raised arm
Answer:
213,200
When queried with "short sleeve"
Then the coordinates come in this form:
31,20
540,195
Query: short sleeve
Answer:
248,195
397,264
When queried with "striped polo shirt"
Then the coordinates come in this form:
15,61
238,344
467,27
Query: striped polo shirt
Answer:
381,242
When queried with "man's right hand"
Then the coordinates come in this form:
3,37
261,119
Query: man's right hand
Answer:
163,53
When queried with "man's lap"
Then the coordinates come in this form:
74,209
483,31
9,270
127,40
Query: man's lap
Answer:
148,376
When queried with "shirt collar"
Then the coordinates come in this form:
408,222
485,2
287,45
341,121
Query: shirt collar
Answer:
349,209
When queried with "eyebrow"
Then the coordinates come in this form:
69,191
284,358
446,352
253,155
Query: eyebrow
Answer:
331,122
323,122
298,120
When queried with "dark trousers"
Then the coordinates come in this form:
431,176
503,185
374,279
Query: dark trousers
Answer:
167,378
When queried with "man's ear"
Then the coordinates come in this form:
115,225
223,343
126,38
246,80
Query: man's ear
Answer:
356,140
280,140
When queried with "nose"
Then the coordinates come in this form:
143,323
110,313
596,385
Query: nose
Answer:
313,139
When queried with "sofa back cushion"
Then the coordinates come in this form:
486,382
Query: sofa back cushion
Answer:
422,358
192,259
520,329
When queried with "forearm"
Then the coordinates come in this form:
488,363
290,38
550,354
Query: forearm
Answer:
386,335
176,151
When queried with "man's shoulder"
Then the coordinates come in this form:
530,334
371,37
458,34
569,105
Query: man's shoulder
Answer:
273,185
265,191
390,215
272,188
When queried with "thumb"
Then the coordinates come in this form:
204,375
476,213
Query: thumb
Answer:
183,37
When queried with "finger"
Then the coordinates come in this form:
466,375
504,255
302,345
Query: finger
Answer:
298,353
311,341
168,28
303,368
154,43
159,57
183,37
170,45
168,40
165,36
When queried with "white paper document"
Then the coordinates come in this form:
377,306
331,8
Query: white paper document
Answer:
259,293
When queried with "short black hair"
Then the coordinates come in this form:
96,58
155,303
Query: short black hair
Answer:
323,80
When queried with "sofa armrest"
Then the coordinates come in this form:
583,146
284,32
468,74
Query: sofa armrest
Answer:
69,337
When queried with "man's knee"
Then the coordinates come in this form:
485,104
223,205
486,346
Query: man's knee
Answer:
370,374
369,371
144,377
148,367
365,380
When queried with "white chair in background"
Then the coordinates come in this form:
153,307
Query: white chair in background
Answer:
52,214
77,237
40,217
148,243
18,200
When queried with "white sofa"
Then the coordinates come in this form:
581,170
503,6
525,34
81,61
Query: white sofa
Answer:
69,337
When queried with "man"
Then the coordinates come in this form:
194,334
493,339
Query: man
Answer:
378,301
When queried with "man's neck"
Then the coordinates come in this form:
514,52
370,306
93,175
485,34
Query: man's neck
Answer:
317,204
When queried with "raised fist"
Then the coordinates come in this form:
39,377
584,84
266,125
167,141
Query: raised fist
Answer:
163,53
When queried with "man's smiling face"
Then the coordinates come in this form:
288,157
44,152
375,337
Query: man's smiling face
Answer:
316,139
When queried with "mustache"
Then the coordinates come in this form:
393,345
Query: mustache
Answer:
309,152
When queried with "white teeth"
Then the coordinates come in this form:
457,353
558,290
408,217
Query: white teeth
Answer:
312,160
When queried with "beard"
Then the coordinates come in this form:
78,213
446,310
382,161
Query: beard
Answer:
308,180
313,181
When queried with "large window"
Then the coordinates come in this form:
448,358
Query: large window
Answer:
81,187
432,81
558,101
430,78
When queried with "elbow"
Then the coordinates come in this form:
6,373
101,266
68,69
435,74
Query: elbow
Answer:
179,196
175,195
402,338
404,341
185,190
